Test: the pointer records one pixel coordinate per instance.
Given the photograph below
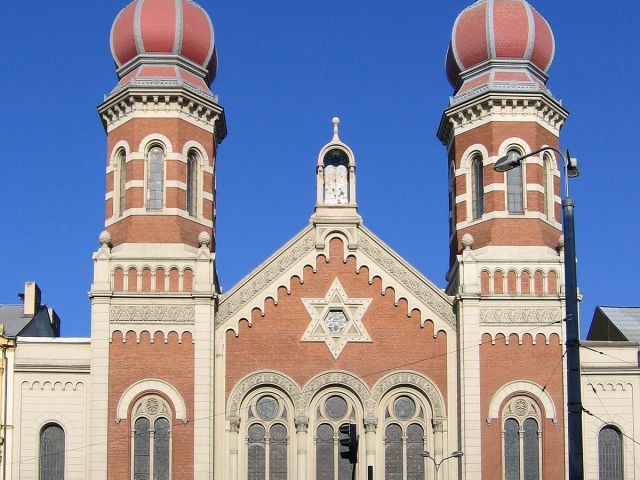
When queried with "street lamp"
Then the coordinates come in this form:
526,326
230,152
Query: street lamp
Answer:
574,401
436,466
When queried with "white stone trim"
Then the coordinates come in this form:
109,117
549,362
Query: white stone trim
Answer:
147,141
151,384
505,214
522,386
165,211
176,184
112,158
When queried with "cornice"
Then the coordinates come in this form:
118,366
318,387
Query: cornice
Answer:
173,97
492,106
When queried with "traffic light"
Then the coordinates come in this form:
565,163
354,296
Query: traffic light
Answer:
351,442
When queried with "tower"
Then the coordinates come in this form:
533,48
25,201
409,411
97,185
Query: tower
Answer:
505,266
154,281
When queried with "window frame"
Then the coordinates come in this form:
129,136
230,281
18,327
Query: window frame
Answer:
452,201
139,410
194,162
477,187
283,416
148,173
120,183
522,186
620,437
533,412
64,447
419,417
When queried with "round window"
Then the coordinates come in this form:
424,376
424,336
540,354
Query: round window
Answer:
404,407
335,407
267,407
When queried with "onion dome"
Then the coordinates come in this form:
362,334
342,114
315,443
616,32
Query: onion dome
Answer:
500,32
164,33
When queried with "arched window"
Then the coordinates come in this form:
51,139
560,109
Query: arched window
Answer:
267,439
452,201
151,441
610,454
52,452
122,181
515,203
155,178
522,439
192,183
477,188
333,411
404,438
547,185
336,177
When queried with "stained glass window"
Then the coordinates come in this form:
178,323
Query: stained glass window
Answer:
278,452
192,182
256,452
122,171
610,454
514,190
324,452
511,450
151,439
155,179
141,449
452,200
393,452
52,453
477,188
415,446
530,449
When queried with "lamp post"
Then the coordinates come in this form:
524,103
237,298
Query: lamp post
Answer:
574,400
436,466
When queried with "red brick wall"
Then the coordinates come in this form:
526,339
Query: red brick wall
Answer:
539,363
273,342
130,362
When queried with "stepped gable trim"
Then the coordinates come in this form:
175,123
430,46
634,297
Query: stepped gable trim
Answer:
406,275
260,278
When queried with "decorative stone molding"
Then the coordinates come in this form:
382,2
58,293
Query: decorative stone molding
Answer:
524,386
415,283
370,425
262,379
259,280
533,315
152,313
336,378
302,424
302,397
234,424
151,384
414,379
438,426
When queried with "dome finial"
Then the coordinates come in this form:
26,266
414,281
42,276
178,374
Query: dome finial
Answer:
336,122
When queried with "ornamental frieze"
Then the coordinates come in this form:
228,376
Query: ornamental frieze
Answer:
152,313
532,315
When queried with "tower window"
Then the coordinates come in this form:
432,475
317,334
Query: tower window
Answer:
192,183
155,178
452,201
547,186
52,453
609,454
515,203
151,439
336,177
477,188
122,182
522,439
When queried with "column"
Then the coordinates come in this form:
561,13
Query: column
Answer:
302,426
234,428
370,426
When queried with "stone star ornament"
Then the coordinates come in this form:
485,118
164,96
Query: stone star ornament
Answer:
336,319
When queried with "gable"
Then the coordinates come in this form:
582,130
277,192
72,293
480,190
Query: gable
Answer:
312,244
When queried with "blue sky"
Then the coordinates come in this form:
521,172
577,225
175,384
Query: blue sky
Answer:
286,68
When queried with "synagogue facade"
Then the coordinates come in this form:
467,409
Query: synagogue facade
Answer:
182,381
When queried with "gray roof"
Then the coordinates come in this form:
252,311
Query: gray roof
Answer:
615,323
13,318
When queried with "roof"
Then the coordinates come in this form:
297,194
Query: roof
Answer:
615,324
14,320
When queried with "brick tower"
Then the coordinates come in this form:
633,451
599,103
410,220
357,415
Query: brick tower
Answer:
155,283
505,264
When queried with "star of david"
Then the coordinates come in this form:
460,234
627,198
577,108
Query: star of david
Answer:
336,319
